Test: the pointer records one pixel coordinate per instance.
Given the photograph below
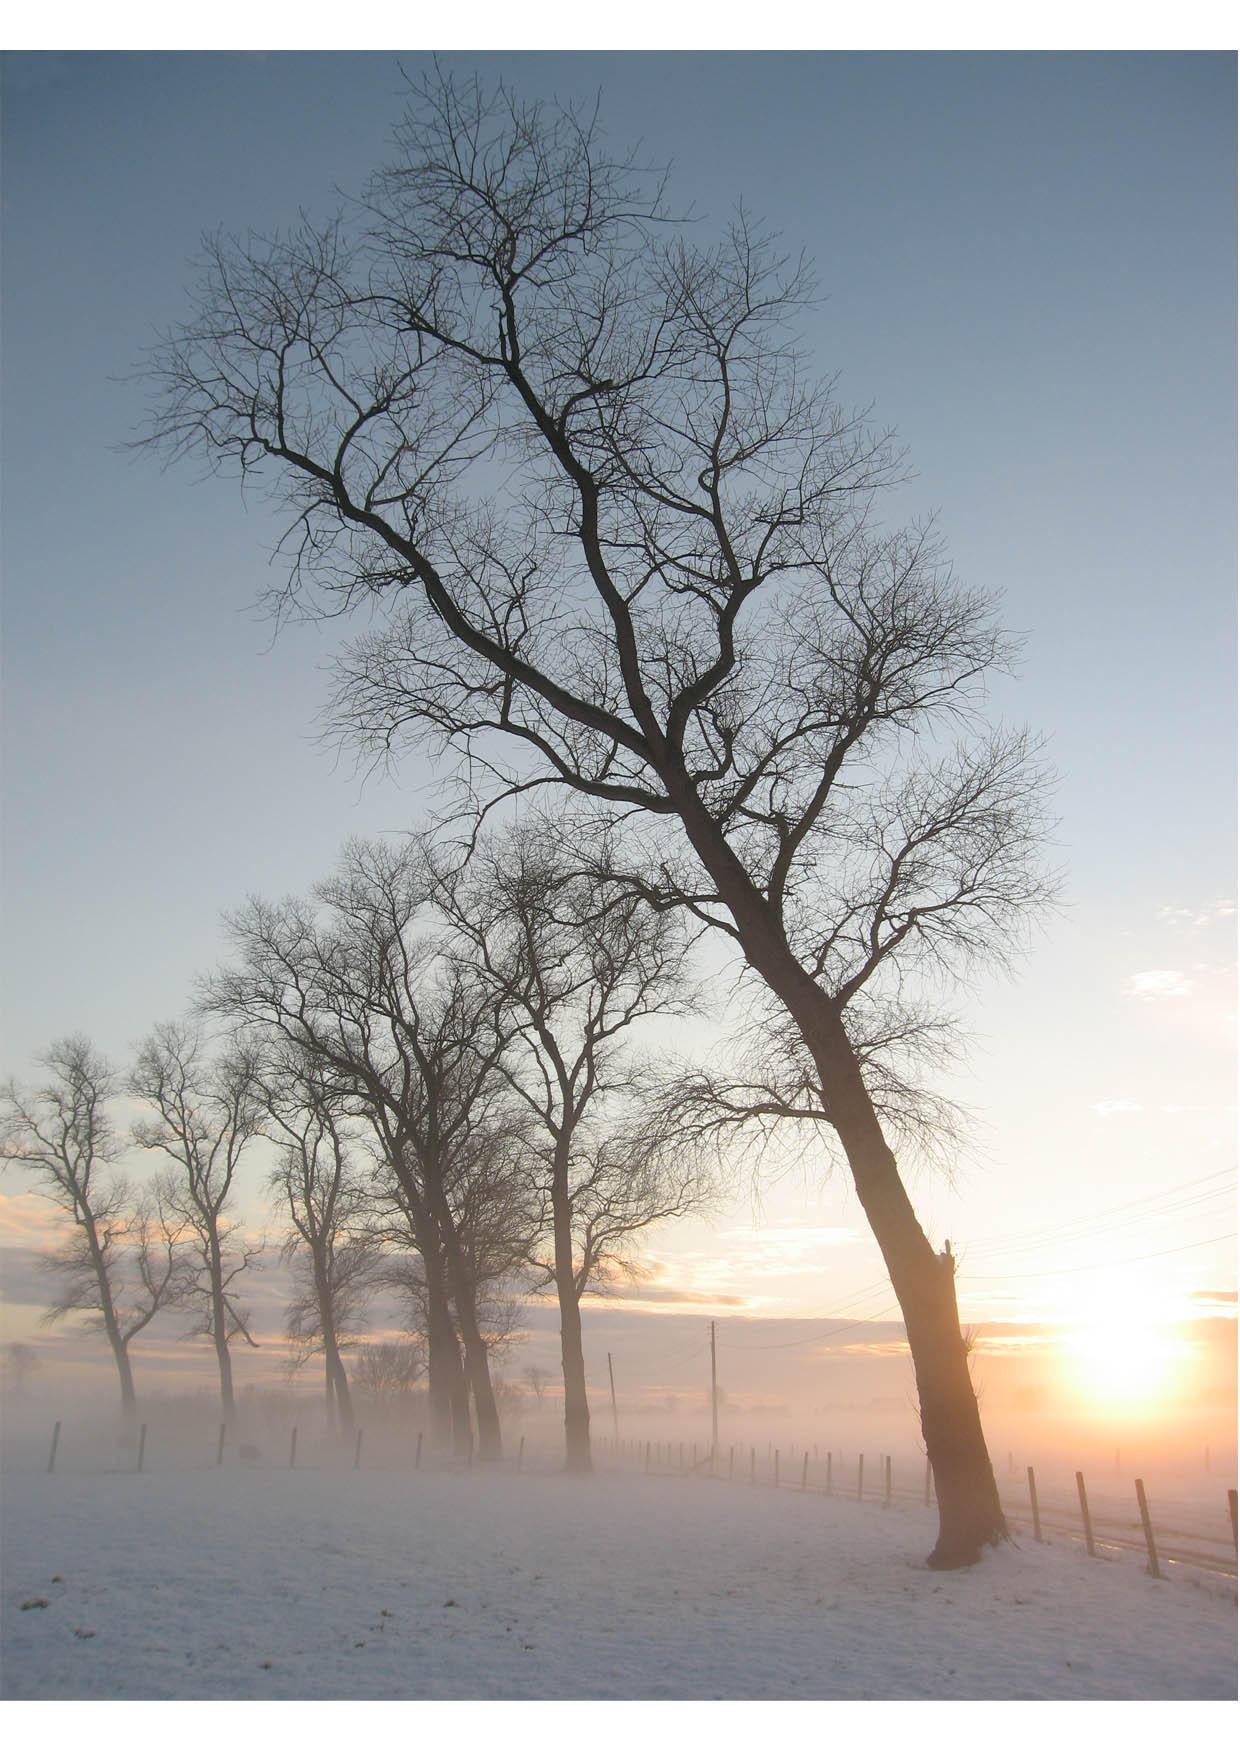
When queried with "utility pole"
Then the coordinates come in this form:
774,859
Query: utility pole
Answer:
714,1397
615,1419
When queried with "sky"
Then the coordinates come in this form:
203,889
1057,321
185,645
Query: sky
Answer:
1028,269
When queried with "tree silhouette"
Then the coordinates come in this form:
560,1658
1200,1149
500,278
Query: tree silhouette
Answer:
576,967
355,981
620,541
119,1260
205,1113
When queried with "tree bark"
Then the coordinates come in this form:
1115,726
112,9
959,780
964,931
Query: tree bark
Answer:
339,1401
478,1374
336,1387
572,1359
111,1324
970,1513
477,1363
228,1403
344,1395
129,1397
448,1388
219,1332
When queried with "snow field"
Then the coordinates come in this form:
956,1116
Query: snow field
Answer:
270,1584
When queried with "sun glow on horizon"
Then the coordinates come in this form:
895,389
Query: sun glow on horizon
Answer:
1122,1352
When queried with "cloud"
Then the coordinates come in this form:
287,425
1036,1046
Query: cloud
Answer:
639,1292
1197,918
758,1250
1154,985
23,1276
1214,1296
28,1219
1109,1108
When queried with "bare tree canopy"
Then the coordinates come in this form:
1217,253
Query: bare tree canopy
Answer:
576,965
623,541
119,1262
205,1114
334,1258
357,980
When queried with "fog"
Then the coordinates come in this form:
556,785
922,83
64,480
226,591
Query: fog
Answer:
783,1388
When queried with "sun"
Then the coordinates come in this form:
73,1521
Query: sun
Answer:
1121,1353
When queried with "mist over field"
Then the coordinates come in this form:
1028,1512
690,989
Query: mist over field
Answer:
618,1070
306,1569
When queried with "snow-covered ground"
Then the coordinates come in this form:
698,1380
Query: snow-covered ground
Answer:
325,1582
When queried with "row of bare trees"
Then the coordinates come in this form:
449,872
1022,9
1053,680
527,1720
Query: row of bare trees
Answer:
445,1059
614,539
615,543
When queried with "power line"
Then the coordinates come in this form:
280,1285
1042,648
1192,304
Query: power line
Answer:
1060,1236
1056,1233
820,1338
1105,1264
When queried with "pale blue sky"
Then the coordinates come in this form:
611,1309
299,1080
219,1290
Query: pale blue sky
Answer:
1028,264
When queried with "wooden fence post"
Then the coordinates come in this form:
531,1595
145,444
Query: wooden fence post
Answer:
1089,1524
357,1451
51,1457
1231,1508
887,1493
417,1457
830,1490
141,1445
860,1473
219,1445
777,1467
929,1479
292,1451
1149,1529
804,1472
1033,1502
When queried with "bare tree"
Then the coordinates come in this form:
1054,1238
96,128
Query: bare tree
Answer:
627,546
206,1114
335,1258
20,1361
579,966
365,991
389,1370
537,1380
118,1261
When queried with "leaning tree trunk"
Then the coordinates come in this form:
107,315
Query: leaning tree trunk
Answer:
572,1359
970,1513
